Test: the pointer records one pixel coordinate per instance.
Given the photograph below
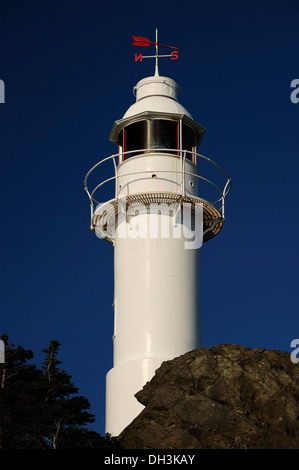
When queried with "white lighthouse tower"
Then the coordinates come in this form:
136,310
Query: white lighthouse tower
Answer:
157,219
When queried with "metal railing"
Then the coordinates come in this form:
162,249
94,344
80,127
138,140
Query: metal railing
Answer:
181,154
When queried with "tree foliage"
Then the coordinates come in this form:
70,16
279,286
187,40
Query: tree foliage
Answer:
41,408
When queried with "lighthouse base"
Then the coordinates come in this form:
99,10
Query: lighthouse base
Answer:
122,382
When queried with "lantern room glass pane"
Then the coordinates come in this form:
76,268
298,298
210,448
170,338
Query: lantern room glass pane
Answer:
189,139
137,136
162,134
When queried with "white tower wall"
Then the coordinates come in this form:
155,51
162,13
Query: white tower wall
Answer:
157,312
154,172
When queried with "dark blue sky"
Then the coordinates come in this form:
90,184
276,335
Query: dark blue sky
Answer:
69,71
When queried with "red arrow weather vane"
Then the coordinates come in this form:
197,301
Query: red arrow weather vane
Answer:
144,42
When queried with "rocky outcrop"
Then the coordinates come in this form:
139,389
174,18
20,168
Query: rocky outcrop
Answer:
223,397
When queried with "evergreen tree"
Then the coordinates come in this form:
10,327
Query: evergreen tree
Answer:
65,410
41,408
18,397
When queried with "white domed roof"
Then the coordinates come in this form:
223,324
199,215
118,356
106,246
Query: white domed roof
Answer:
157,94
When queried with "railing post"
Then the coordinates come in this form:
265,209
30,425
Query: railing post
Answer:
183,172
115,172
91,215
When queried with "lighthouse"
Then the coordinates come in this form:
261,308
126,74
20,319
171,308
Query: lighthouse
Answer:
164,206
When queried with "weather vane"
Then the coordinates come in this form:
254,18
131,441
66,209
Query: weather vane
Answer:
144,42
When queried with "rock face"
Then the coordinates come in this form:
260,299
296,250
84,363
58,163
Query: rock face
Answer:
224,397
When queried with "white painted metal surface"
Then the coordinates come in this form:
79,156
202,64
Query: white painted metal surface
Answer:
156,94
157,311
154,172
